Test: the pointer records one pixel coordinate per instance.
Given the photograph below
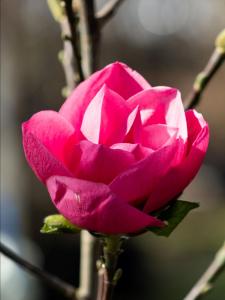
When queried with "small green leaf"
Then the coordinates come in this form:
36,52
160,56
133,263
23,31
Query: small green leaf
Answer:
172,216
58,224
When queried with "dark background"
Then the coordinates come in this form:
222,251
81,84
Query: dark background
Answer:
168,42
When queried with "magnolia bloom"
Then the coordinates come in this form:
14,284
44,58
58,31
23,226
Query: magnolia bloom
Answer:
117,150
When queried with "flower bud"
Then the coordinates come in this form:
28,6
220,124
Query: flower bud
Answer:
57,9
220,41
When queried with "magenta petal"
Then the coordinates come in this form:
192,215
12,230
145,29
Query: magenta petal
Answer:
157,135
93,207
105,118
117,76
137,150
161,105
139,180
50,129
42,162
178,177
195,125
134,127
98,163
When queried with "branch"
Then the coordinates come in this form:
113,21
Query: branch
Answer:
66,57
108,274
208,278
88,35
74,38
107,11
87,266
203,78
63,13
66,289
101,279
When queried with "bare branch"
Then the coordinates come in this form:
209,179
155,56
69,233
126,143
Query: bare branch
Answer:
108,274
204,78
66,289
205,282
88,35
107,11
66,57
70,57
74,38
87,266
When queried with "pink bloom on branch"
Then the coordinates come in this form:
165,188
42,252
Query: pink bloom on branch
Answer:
117,150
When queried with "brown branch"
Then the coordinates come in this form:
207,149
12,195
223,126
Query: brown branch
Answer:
88,35
203,78
73,39
66,289
107,11
67,59
105,285
205,282
108,274
65,14
101,286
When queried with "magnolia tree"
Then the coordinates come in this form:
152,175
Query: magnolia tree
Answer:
117,155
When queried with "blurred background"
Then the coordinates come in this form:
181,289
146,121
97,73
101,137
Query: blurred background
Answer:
169,42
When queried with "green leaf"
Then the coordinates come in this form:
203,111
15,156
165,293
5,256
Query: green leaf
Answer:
172,216
58,224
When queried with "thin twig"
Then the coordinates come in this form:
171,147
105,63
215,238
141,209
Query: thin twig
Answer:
107,11
74,38
66,289
205,282
108,274
88,35
67,58
65,14
87,266
101,286
204,78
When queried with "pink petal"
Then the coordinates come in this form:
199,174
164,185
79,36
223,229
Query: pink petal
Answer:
92,206
161,105
118,77
178,177
50,129
195,124
137,150
138,181
42,162
134,127
105,118
157,135
98,163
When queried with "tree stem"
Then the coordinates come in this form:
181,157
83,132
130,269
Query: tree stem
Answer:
203,78
87,266
108,274
74,38
88,35
66,289
205,282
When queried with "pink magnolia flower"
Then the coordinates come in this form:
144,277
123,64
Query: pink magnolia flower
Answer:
117,150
